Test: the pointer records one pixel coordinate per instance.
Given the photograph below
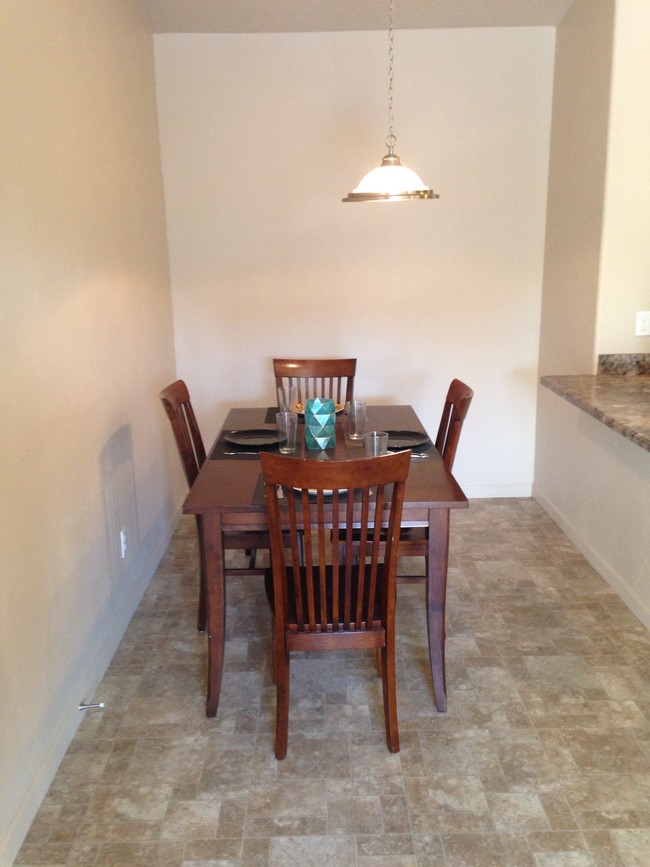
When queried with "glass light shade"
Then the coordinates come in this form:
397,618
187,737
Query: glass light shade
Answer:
390,182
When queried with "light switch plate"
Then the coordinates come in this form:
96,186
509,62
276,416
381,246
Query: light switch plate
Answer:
642,323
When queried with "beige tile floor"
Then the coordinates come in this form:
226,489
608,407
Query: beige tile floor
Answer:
542,759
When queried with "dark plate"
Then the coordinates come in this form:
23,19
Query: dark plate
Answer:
406,439
256,437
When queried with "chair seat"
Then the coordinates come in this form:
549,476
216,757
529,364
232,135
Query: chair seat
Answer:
413,542
234,539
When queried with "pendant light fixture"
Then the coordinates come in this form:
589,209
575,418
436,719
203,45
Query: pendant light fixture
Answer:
391,181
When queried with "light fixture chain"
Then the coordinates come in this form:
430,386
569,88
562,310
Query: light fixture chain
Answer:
390,141
391,181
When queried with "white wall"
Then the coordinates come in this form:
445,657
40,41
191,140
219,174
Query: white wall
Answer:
580,132
86,337
625,255
261,137
597,261
593,482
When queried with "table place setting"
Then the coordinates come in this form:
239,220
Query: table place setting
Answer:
245,443
319,423
419,443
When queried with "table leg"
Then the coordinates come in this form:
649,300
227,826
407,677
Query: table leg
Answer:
436,595
216,602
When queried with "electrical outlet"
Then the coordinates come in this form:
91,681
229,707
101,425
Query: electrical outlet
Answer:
642,323
123,543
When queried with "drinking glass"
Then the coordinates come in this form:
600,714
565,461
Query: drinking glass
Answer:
356,410
375,443
287,397
287,431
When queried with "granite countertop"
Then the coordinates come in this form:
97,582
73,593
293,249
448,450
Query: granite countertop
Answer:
621,402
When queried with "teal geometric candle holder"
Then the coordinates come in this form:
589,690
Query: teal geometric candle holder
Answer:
320,423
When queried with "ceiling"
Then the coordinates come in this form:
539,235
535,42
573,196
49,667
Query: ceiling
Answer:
293,16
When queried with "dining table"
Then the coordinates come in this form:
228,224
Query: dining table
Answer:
228,495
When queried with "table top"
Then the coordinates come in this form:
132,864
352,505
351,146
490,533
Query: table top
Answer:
229,484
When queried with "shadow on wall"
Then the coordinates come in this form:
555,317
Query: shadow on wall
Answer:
120,512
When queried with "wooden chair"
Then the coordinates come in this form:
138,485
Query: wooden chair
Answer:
414,541
317,377
454,413
176,402
332,602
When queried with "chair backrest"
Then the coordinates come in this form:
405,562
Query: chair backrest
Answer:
317,377
306,499
454,413
176,401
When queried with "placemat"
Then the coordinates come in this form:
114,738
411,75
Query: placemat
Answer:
225,451
271,412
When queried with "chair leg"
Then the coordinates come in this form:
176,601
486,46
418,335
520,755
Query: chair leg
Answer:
282,706
274,670
202,617
252,558
388,682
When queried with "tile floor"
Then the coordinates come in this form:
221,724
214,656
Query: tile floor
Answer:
542,759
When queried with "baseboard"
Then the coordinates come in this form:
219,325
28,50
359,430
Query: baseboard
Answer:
64,728
595,558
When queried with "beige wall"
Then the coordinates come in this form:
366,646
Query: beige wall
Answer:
594,483
261,137
576,189
625,256
86,337
597,259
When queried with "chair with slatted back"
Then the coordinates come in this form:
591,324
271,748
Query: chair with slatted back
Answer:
176,402
454,413
336,600
414,540
317,377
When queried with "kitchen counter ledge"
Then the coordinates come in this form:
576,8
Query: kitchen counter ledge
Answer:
622,403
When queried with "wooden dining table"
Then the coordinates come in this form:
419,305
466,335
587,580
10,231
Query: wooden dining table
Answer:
228,495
